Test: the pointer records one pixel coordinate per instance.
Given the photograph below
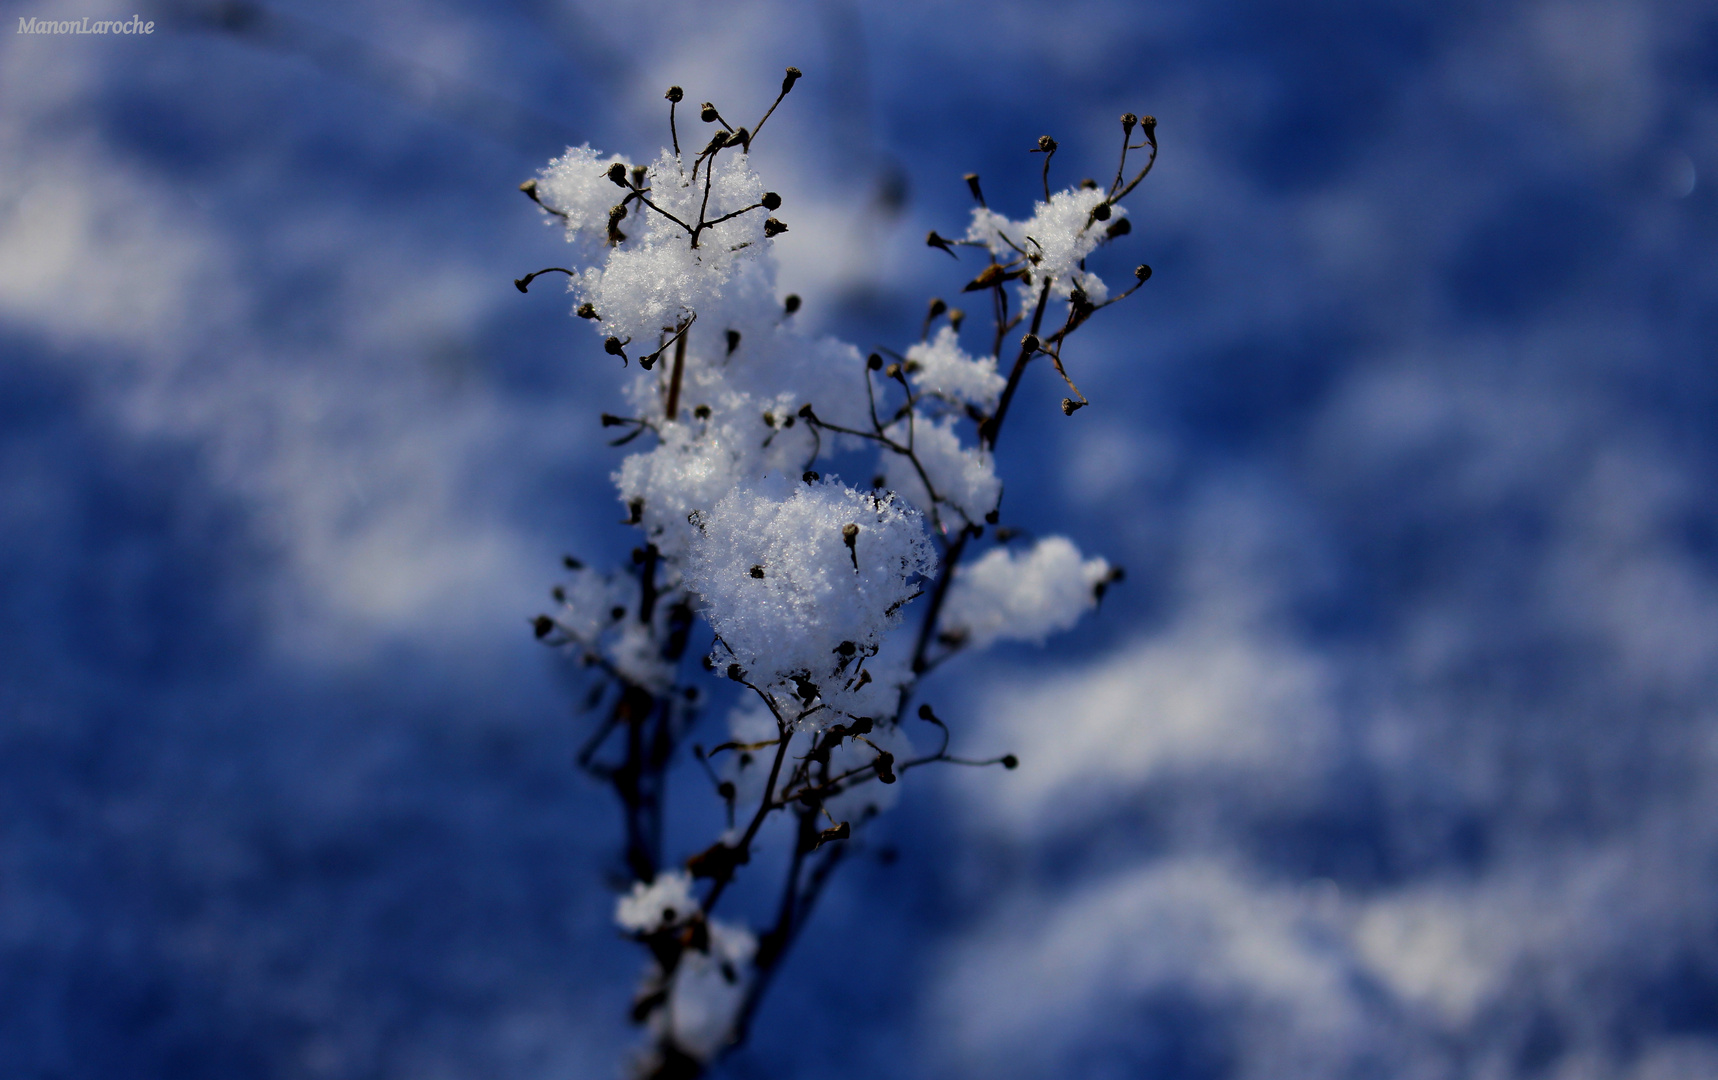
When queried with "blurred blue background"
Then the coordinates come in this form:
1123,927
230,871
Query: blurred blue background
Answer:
1396,756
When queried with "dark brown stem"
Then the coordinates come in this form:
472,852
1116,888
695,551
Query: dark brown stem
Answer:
674,378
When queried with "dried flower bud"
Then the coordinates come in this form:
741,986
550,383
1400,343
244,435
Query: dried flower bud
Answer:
675,94
1046,145
1142,273
587,310
771,201
617,173
707,113
1030,343
1070,406
850,534
614,347
772,227
529,187
791,303
1128,120
793,76
886,767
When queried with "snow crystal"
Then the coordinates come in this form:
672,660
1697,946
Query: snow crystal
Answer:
941,367
800,579
708,990
1005,596
664,902
1054,240
964,477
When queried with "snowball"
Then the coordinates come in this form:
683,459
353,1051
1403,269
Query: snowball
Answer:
941,367
664,902
708,990
795,604
1010,597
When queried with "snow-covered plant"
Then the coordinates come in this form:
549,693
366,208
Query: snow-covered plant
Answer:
803,580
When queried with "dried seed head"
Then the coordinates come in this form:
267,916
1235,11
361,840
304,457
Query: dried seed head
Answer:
771,201
1119,227
1009,761
1142,273
733,341
793,76
955,317
846,648
571,563
810,476
707,113
702,412
791,304
971,179
1088,184
805,412
886,767
769,419
1128,120
925,713
613,346
938,306
617,613
542,626
1101,212
850,534
993,517
772,227
893,371
874,362
638,174
758,572
529,187
1046,145
1030,343
1070,406
736,673
617,173
587,310
675,94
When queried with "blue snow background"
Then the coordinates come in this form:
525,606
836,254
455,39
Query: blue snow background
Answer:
1396,755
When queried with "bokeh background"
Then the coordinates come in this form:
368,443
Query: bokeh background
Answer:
1395,756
